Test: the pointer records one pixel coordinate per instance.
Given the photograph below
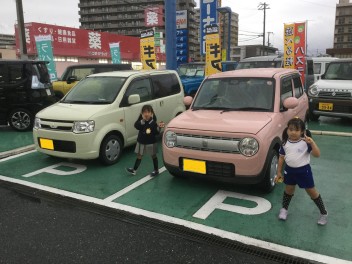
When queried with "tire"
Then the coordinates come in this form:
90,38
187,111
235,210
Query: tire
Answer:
21,119
313,117
268,183
110,149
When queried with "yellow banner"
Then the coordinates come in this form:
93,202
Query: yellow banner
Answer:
213,51
289,34
147,50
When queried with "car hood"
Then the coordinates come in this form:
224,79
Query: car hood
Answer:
70,112
334,84
215,120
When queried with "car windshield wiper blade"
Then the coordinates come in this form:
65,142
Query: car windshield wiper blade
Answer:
75,102
250,108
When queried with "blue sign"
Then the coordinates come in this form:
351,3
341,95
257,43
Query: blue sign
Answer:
181,32
183,39
208,16
181,59
181,46
182,52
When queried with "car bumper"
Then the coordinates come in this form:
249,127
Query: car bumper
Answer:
337,107
223,167
68,145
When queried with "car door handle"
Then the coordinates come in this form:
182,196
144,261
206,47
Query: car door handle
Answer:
161,103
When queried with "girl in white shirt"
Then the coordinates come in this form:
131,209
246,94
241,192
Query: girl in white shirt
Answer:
295,152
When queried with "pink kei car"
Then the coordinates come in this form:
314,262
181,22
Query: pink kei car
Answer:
233,128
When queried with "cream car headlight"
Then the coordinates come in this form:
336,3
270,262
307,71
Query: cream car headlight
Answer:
37,123
248,146
313,90
170,139
83,127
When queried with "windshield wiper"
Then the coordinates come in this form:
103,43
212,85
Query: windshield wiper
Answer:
249,109
75,102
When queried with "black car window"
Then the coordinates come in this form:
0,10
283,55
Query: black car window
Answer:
286,90
2,73
298,86
16,73
165,85
141,87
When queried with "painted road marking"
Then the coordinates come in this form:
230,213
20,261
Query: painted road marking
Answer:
199,227
78,168
132,186
216,202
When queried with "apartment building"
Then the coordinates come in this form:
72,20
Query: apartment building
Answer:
343,31
126,17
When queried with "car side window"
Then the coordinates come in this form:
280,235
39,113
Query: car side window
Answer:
82,73
2,73
16,73
165,85
142,87
286,90
298,87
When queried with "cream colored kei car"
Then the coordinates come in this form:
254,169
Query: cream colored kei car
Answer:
96,118
233,129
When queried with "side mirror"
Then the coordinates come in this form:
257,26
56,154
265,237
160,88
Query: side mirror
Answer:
134,99
71,79
290,102
187,100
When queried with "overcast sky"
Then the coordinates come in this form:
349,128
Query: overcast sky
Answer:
320,15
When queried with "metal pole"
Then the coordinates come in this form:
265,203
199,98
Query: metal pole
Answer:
21,30
170,31
264,29
229,39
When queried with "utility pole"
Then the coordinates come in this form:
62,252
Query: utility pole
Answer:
269,37
263,6
20,28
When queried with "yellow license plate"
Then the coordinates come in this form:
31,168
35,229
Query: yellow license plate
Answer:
326,106
46,143
197,166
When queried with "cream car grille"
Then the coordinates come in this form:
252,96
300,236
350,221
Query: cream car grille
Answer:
207,143
56,125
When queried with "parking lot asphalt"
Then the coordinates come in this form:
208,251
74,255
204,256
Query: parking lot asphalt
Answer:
187,202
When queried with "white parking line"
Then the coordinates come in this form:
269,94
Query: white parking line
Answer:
132,186
169,219
18,155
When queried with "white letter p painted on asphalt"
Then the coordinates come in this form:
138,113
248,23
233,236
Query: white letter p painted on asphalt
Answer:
52,169
216,202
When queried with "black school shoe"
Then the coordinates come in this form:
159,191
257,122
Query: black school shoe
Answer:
154,173
131,170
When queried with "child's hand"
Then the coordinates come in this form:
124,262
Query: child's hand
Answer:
307,139
161,124
279,178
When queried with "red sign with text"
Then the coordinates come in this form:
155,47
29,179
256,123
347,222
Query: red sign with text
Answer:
67,41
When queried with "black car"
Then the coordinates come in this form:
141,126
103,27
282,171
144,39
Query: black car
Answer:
25,89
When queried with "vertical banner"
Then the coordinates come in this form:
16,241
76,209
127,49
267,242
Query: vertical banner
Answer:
115,53
208,16
289,31
45,53
213,50
182,37
300,49
147,50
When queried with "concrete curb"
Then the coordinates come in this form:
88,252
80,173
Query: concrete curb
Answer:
331,133
16,151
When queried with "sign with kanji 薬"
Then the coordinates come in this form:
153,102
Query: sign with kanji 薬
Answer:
153,16
45,53
115,53
213,50
147,48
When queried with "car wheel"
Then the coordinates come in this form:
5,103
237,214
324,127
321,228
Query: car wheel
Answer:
110,150
268,182
21,119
